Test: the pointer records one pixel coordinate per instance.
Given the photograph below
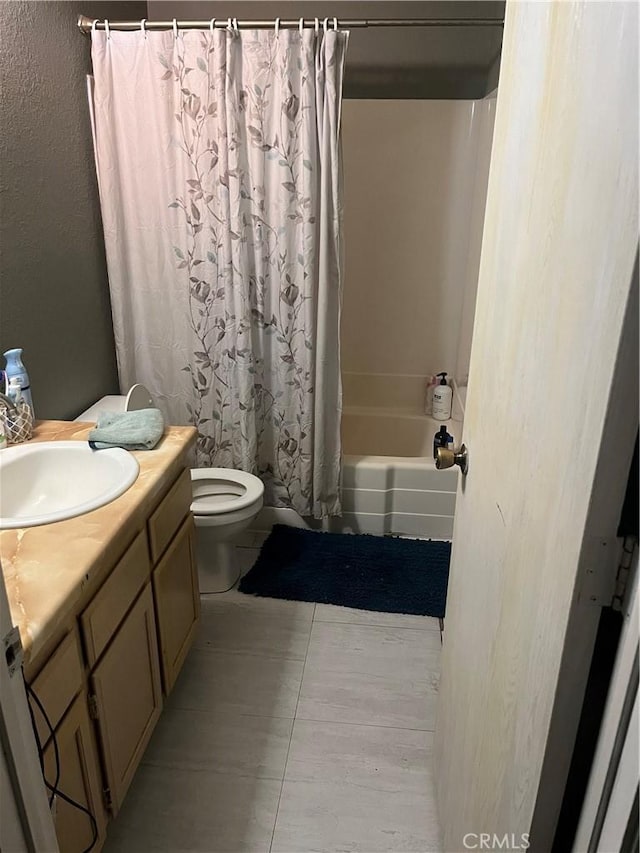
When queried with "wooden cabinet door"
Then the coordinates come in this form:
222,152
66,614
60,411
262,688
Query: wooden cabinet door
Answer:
127,696
175,586
79,779
168,516
100,619
57,684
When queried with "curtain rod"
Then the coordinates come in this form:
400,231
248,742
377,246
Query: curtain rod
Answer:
85,24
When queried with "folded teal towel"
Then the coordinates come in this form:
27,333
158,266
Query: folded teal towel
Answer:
140,430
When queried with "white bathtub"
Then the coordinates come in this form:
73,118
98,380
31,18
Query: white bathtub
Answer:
390,482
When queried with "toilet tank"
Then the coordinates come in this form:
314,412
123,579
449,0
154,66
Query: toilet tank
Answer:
111,403
138,397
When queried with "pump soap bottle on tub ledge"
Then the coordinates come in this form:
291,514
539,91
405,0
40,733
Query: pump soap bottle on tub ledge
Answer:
442,398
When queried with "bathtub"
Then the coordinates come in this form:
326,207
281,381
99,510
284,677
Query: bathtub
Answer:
390,483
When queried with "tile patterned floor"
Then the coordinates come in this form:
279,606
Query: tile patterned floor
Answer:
293,728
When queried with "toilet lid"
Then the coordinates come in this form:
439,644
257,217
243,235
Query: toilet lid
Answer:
219,490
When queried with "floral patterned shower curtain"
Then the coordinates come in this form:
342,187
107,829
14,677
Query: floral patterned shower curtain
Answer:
219,171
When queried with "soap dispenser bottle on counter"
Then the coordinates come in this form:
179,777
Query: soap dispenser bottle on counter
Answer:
15,369
442,398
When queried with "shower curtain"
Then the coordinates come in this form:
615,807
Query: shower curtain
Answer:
219,172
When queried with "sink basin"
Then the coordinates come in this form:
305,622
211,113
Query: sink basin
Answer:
54,480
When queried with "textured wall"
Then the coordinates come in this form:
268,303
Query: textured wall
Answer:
53,280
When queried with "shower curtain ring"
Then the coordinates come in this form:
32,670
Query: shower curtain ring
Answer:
335,25
301,25
276,27
229,24
175,28
325,25
212,24
316,26
106,28
93,26
235,26
142,27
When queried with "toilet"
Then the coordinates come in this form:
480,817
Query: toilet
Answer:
225,502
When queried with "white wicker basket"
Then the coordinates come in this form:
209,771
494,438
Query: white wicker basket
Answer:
18,426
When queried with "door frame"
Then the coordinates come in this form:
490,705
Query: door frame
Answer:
614,772
596,576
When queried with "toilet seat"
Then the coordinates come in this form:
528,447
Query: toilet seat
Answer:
218,491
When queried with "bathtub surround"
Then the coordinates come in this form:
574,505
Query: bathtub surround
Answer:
394,394
484,118
413,245
218,161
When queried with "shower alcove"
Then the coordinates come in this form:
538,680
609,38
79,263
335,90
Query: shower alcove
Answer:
417,124
417,127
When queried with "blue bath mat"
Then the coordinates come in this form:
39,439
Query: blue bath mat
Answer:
368,572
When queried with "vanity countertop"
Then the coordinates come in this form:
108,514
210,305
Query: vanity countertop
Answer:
52,569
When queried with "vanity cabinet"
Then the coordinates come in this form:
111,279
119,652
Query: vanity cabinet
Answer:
177,598
126,697
60,689
169,514
79,779
102,686
100,620
57,684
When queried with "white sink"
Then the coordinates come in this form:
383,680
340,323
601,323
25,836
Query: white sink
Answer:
54,480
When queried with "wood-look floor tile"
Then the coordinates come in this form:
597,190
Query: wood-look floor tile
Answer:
371,675
234,744
235,683
186,811
357,788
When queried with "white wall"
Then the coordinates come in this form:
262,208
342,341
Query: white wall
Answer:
413,192
485,114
